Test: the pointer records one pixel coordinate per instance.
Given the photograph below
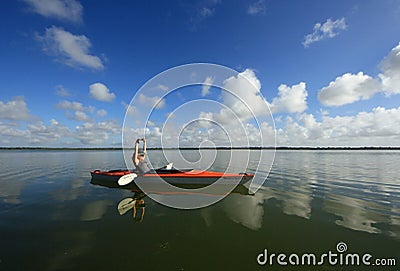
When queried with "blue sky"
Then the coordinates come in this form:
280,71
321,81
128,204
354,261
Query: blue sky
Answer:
329,70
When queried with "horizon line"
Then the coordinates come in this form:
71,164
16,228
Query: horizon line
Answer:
217,148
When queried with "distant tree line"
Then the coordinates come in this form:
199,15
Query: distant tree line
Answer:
210,148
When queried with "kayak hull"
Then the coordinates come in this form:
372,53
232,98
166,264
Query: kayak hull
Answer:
175,177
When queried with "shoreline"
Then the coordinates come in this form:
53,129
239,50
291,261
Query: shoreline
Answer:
206,148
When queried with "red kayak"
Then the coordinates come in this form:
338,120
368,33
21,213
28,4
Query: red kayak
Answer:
175,176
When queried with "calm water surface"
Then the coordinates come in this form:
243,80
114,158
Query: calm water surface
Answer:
52,218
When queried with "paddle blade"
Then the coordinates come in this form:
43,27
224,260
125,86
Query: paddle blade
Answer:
125,205
128,178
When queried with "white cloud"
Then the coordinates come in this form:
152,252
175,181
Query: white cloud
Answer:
290,99
74,106
329,29
205,90
79,109
152,102
241,104
70,49
54,122
100,92
161,87
390,67
200,11
56,134
36,133
67,10
348,88
22,129
380,127
15,109
246,86
102,113
62,91
202,131
206,8
377,123
80,116
130,109
206,12
97,133
251,106
242,99
150,123
170,115
67,105
11,131
40,133
258,7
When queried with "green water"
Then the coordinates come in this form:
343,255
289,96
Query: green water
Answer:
52,218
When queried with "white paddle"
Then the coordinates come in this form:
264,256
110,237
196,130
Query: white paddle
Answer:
128,178
125,205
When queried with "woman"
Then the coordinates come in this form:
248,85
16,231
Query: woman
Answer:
139,156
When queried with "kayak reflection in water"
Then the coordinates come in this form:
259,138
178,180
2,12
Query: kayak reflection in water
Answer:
136,203
139,156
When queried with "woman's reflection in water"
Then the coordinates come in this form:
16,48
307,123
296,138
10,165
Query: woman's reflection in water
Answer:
138,206
136,203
